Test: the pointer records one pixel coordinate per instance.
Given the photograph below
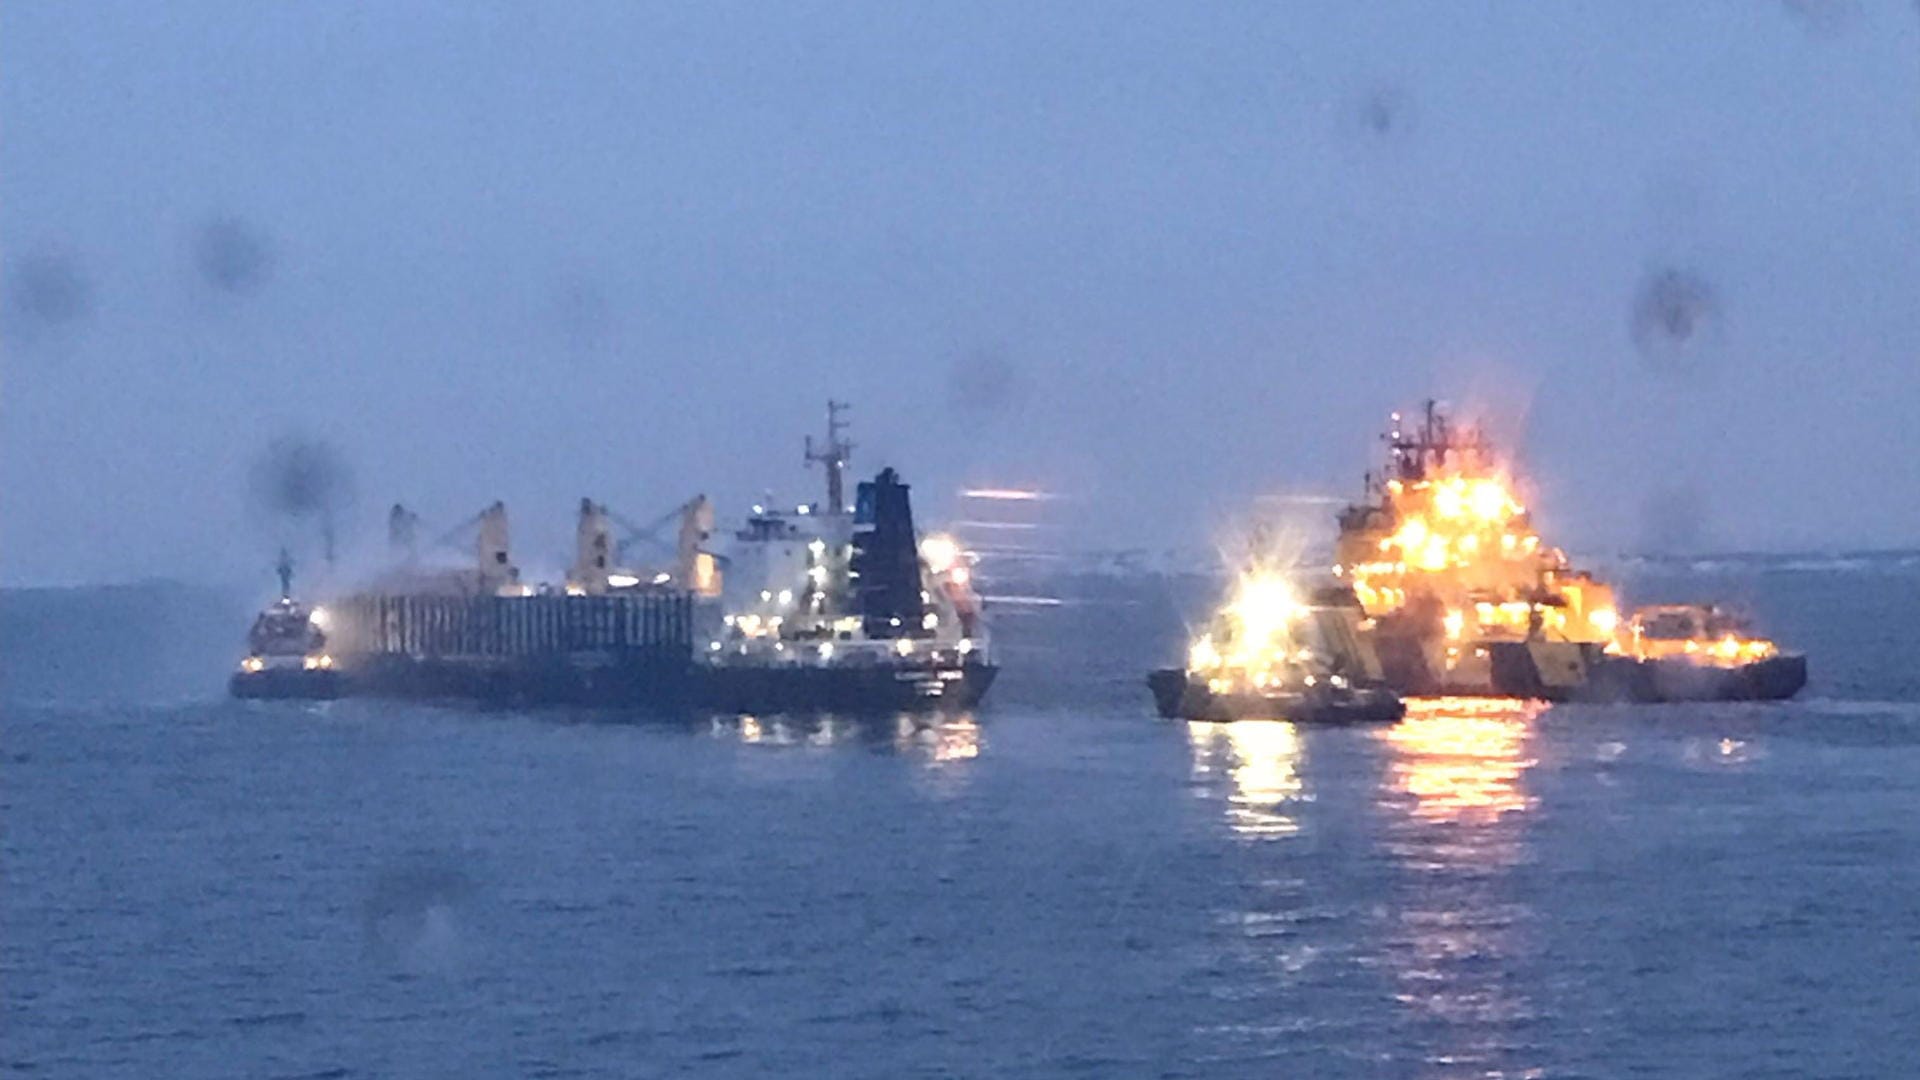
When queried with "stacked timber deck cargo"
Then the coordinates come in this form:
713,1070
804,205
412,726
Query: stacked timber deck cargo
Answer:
572,649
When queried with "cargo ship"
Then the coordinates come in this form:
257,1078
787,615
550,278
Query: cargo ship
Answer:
828,607
1266,655
1458,595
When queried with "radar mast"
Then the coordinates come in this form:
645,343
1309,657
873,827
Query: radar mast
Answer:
833,455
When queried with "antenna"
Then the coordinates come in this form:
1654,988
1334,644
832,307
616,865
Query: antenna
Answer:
833,454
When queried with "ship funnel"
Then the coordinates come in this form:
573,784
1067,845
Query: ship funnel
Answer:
885,562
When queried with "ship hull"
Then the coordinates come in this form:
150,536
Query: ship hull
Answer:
1180,696
1584,673
718,688
1776,678
847,689
295,684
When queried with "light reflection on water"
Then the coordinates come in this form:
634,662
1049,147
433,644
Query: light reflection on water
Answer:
1425,936
1463,758
1261,758
937,740
1456,800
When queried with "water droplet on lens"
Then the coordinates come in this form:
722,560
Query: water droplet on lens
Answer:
233,255
1675,312
298,477
48,289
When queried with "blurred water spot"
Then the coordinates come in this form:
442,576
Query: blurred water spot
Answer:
414,914
1675,313
985,384
1382,112
301,477
233,255
47,289
1387,111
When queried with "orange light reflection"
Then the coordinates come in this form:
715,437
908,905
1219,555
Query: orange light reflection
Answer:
1262,759
1463,758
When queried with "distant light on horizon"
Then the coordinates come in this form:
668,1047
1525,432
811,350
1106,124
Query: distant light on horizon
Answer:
1016,525
1007,494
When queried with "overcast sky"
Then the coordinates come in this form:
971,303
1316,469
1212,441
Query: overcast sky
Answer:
1162,258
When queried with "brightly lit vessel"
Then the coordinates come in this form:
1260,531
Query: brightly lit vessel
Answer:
1460,595
828,607
287,653
1265,655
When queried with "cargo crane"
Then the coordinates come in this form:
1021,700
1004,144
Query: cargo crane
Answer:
494,571
695,568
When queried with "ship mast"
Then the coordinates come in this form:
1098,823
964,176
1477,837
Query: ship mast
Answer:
1434,446
833,455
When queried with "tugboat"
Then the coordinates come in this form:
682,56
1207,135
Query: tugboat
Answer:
1697,652
287,653
1267,656
1460,596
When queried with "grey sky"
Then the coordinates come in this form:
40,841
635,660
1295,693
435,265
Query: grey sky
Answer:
1161,257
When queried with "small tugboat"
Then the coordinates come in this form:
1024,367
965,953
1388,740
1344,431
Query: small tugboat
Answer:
1696,652
1460,596
1267,656
286,650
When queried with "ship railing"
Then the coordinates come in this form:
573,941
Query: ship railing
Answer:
889,652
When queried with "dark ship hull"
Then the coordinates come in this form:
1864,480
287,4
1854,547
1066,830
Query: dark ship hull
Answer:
1180,696
842,689
599,681
1588,674
275,684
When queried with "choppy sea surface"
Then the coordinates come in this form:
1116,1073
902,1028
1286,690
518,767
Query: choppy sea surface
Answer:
1055,885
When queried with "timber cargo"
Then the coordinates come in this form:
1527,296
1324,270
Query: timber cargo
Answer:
651,628
522,649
